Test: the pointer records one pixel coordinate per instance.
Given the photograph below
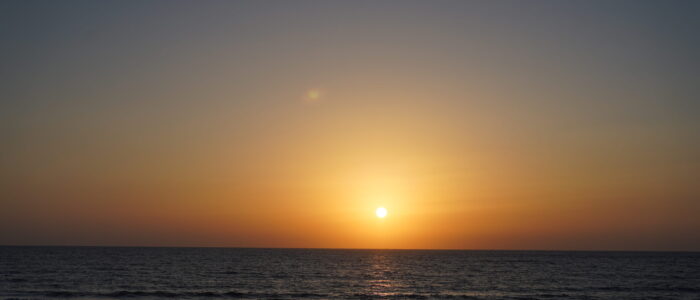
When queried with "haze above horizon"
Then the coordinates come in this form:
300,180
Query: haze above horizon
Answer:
365,124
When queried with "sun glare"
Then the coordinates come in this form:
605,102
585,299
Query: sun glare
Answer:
381,212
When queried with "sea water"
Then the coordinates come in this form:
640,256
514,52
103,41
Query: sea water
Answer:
208,273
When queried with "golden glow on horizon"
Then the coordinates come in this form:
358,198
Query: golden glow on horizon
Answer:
381,212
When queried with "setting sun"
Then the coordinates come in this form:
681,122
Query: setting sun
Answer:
381,212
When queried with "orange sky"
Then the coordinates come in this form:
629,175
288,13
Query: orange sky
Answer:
477,125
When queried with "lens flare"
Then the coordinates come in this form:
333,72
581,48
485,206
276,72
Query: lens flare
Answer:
313,95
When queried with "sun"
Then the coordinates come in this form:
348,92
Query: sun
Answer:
381,212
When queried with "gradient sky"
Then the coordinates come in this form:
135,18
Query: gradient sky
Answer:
477,124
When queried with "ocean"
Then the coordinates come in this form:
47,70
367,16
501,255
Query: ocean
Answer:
211,273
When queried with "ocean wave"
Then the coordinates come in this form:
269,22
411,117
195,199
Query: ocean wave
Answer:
240,295
126,294
167,294
682,289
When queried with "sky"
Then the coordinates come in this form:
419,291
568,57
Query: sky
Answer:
553,125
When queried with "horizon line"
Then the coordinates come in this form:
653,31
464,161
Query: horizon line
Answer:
330,248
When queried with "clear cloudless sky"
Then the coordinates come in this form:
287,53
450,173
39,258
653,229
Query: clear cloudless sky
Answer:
477,124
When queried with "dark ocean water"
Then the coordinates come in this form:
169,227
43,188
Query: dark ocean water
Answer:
209,273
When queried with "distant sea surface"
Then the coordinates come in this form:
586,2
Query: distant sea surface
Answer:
210,273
